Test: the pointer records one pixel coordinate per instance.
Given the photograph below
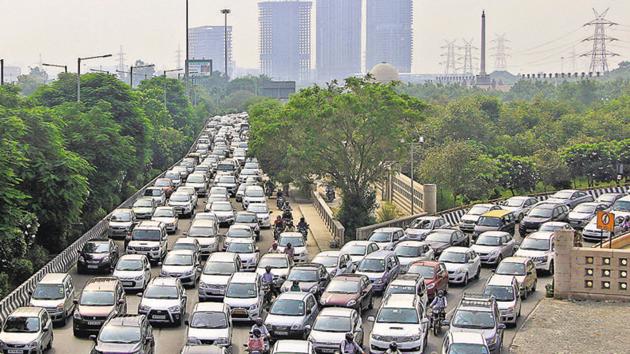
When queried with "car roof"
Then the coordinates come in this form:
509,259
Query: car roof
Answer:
275,255
126,320
293,295
132,256
592,203
495,233
359,242
202,222
501,280
101,283
329,254
556,223
429,217
168,281
412,243
457,249
241,226
388,229
541,235
244,277
292,345
190,240
149,224
399,300
380,254
406,281
183,252
515,259
487,205
26,311
210,306
566,190
221,257
467,337
427,263
202,349
349,277
53,278
98,241
245,212
547,204
496,213
242,240
308,265
336,311
519,197
625,199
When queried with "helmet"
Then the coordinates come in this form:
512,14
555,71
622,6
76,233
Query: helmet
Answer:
268,269
349,336
440,292
393,346
259,321
256,332
289,245
302,219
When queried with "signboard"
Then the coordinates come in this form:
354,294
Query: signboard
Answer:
200,67
606,221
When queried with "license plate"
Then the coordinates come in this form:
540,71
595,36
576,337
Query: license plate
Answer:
159,317
16,351
94,323
127,283
92,266
328,350
239,311
282,333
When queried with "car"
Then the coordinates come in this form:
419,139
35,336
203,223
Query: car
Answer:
125,334
144,207
227,167
174,176
238,232
120,223
209,323
336,262
244,296
311,277
27,330
251,166
54,293
188,244
280,266
464,342
133,271
168,216
262,213
206,232
585,212
212,199
462,264
98,256
254,195
478,313
331,326
247,173
292,346
519,205
204,169
166,184
100,299
387,237
349,290
183,173
292,315
183,203
250,219
240,192
556,226
402,319
191,191
219,192
207,216
540,247
442,239
227,181
570,197
413,251
506,292
380,267
223,211
199,182
542,213
408,284
496,220
359,249
592,233
182,264
434,274
493,246
239,155
420,227
300,252
149,239
216,273
609,198
157,193
164,301
469,220
247,251
523,269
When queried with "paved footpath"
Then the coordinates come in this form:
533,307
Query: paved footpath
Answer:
319,236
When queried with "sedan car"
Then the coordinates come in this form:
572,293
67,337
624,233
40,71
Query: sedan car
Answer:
331,326
166,184
293,346
585,212
462,264
98,256
408,284
349,290
144,207
292,315
412,251
570,197
434,274
336,262
168,216
206,232
280,266
157,193
133,271
420,227
27,328
182,264
311,277
187,244
121,223
442,239
227,181
359,249
238,232
519,205
493,246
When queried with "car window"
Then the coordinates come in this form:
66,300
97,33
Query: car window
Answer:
310,302
44,318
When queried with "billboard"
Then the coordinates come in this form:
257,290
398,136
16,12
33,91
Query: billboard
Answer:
200,67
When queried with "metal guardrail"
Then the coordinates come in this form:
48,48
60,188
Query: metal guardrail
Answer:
65,260
334,226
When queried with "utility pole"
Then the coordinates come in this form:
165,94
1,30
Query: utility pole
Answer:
467,58
599,54
137,67
79,71
449,64
226,12
64,67
500,52
1,72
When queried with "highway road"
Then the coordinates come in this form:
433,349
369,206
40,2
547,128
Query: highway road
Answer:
169,340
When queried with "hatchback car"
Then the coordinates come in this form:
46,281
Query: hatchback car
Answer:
380,267
168,216
292,346
157,193
493,246
247,251
199,182
262,213
227,181
585,212
311,277
223,211
464,342
144,207
336,262
441,239
249,219
300,252
121,222
164,301
174,176
133,271
478,313
570,197
125,334
150,239
55,293
238,232
387,237
519,205
420,227
27,330
496,220
506,292
359,249
98,256
523,269
540,247
206,232
183,203
244,296
609,198
210,323
100,299
434,274
184,265
292,315
462,264
216,273
280,266
469,220
542,213
413,251
349,290
331,326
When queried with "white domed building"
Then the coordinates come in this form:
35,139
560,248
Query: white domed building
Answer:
384,73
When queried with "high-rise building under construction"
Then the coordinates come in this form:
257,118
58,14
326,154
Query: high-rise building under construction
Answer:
389,36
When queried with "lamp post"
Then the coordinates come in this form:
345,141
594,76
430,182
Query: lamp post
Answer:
79,71
1,72
170,71
226,12
64,67
164,74
412,144
137,67
187,51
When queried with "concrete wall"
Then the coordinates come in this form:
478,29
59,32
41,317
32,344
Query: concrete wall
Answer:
397,190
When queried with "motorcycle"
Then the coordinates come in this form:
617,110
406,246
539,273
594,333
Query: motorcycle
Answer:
268,297
277,230
280,202
304,231
289,225
255,345
436,321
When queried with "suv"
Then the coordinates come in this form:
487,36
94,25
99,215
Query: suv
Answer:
493,246
519,205
244,296
227,181
523,269
541,213
157,193
55,293
505,290
206,232
224,211
218,269
400,319
462,264
144,207
121,222
331,326
164,301
134,271
209,323
479,314
98,256
540,247
291,315
149,239
100,299
312,277
125,334
408,284
381,267
198,181
183,203
27,328
464,342
570,197
469,220
182,264
387,237
496,220
442,239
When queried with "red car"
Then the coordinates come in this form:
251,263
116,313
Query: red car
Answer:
166,184
348,290
434,273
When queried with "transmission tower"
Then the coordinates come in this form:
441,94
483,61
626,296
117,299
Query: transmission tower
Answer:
500,52
121,60
599,54
449,64
467,59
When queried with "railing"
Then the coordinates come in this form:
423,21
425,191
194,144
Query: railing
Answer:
397,189
334,226
363,233
65,260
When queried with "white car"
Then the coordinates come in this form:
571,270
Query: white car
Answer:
207,233
462,264
331,326
336,262
539,246
247,251
29,329
133,271
262,212
223,211
182,264
244,296
164,301
210,322
168,216
409,252
592,233
183,203
254,195
519,205
280,266
401,318
215,275
300,252
238,232
387,237
293,346
359,249
420,227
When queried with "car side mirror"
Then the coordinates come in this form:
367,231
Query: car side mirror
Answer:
76,302
45,329
448,323
139,294
93,337
471,261
371,318
307,327
501,326
121,301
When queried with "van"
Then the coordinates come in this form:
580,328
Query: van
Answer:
495,220
55,293
149,239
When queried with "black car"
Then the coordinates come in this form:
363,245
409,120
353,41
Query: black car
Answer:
312,277
98,256
441,239
542,213
125,334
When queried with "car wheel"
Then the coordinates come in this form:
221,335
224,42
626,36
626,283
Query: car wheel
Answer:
466,279
50,343
534,286
551,268
478,272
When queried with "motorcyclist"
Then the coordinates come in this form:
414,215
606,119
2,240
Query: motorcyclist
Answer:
295,286
393,349
269,187
289,251
278,223
264,332
349,346
439,303
256,343
286,211
302,224
273,249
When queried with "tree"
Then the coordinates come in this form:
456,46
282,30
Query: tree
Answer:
516,173
595,161
552,169
29,83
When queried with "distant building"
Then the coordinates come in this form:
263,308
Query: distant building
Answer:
389,33
278,89
384,73
11,73
285,39
208,42
338,44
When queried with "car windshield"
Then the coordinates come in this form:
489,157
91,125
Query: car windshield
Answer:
201,231
195,178
226,179
239,247
153,192
333,324
422,224
129,264
500,293
355,250
175,259
510,268
535,244
288,307
540,212
397,315
551,227
401,289
161,292
143,203
372,265
343,286
208,320
97,298
221,191
513,202
120,216
303,275
238,232
145,235
562,195
326,261
164,213
254,192
294,241
453,257
381,237
221,206
487,240
21,325
241,290
247,171
585,208
251,166
489,221
439,237
257,208
173,175
621,205
427,272
96,247
607,198
408,251
273,262
180,197
246,218
48,292
219,268
473,319
119,334
477,210
467,348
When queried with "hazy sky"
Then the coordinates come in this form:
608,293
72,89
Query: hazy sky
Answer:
61,30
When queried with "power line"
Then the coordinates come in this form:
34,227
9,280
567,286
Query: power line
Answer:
549,42
449,64
599,54
500,52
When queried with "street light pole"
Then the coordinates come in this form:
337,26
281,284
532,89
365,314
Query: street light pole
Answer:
137,67
79,72
226,12
1,72
412,144
64,67
187,51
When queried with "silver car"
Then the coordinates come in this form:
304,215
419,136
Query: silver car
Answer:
164,301
409,252
133,271
210,322
183,203
336,262
144,207
227,181
292,315
217,271
27,328
247,251
519,205
206,232
469,220
331,326
422,226
121,222
493,246
583,213
182,264
224,211
168,216
199,182
244,296
55,293
570,197
262,213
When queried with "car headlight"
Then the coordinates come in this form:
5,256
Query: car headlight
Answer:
222,341
139,277
296,326
189,272
105,259
379,281
76,315
203,285
415,337
254,307
32,344
351,303
175,308
193,341
461,270
144,308
509,310
431,286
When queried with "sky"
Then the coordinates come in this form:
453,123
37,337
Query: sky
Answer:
540,31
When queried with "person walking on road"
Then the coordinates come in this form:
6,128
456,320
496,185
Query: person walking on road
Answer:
350,346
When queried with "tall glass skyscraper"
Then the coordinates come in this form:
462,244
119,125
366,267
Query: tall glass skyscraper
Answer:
208,42
389,33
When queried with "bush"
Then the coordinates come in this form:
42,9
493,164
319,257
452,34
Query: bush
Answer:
22,270
387,212
4,285
38,256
